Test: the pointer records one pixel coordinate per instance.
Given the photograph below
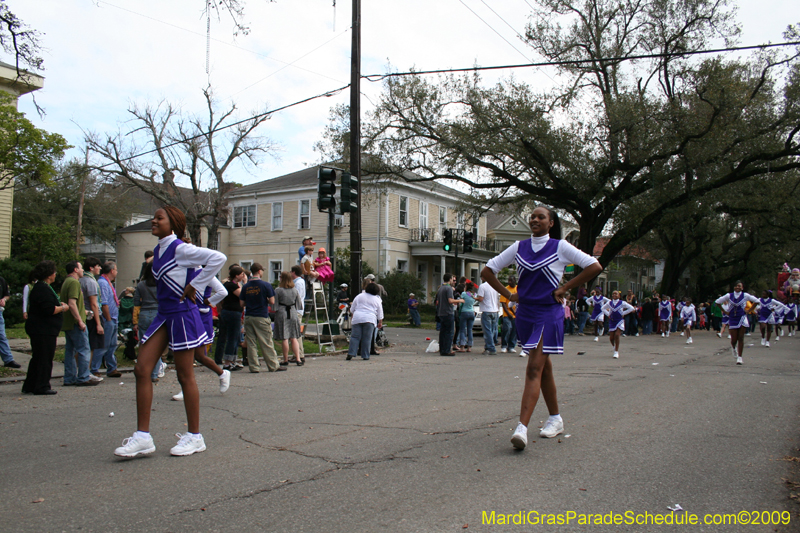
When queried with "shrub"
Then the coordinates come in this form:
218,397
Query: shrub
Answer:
398,285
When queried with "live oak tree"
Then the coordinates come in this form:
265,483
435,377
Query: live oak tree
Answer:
182,160
623,140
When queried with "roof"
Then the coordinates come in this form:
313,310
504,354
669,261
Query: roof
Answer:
307,179
629,251
141,226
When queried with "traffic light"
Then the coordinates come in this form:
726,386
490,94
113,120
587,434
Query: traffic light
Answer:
448,240
326,189
468,240
349,193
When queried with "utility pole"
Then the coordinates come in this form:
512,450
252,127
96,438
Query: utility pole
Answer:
355,150
80,202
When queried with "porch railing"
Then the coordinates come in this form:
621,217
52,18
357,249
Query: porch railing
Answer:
434,235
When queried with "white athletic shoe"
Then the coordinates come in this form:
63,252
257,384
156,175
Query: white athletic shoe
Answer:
719,335
178,397
503,350
681,334
520,437
136,445
738,360
662,335
733,351
636,335
512,350
689,340
596,339
523,352
729,336
668,334
188,444
616,355
552,428
748,334
161,368
763,341
224,380
767,344
777,339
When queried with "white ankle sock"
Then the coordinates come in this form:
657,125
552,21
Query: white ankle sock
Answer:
143,434
554,418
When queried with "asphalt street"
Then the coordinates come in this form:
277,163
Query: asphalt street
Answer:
411,441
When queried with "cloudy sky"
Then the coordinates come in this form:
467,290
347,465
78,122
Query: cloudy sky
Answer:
102,57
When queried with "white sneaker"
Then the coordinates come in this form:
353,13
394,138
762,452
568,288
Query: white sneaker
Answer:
777,339
616,355
523,352
136,445
763,341
681,334
596,339
738,360
503,350
668,334
224,380
161,368
719,335
730,336
188,444
552,428
636,335
746,335
733,351
178,397
520,437
689,340
767,344
512,350
94,378
662,335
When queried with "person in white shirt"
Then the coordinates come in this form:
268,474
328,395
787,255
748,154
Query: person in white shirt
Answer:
737,317
489,307
297,272
688,318
616,310
367,312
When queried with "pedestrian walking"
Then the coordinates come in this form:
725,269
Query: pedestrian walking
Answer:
540,263
176,325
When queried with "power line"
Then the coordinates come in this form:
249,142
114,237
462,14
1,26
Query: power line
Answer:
380,77
291,64
494,30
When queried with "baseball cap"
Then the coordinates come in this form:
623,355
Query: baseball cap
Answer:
343,285
369,276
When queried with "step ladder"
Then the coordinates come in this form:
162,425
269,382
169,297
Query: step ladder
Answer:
320,306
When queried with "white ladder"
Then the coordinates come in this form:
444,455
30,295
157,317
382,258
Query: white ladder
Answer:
318,301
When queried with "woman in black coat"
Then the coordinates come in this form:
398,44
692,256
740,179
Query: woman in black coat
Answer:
43,326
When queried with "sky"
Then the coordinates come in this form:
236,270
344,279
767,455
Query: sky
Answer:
103,57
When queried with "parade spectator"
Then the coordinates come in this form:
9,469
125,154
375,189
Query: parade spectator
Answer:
444,310
256,297
91,297
287,324
466,319
110,312
508,341
582,306
45,319
631,325
148,259
413,310
230,321
648,314
489,306
145,309
301,252
297,273
342,297
5,349
307,262
367,309
74,326
323,266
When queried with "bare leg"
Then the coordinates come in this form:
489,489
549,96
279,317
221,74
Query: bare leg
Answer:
617,335
533,384
549,387
191,396
296,349
688,332
149,353
201,357
763,328
611,337
769,330
285,346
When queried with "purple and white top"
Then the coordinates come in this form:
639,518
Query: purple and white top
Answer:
174,264
736,314
791,313
688,314
597,302
615,310
214,293
767,307
540,266
664,310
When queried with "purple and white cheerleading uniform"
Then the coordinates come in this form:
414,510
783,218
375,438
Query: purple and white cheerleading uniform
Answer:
767,307
688,315
174,264
540,265
597,302
725,316
664,311
737,318
616,311
214,293
791,313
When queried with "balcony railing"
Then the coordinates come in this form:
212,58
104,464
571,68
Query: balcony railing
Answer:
434,235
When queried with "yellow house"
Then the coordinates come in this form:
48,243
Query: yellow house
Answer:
13,84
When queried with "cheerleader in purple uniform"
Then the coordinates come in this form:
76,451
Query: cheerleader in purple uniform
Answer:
616,309
766,309
597,301
726,308
214,293
665,314
790,318
540,263
737,317
688,318
177,325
